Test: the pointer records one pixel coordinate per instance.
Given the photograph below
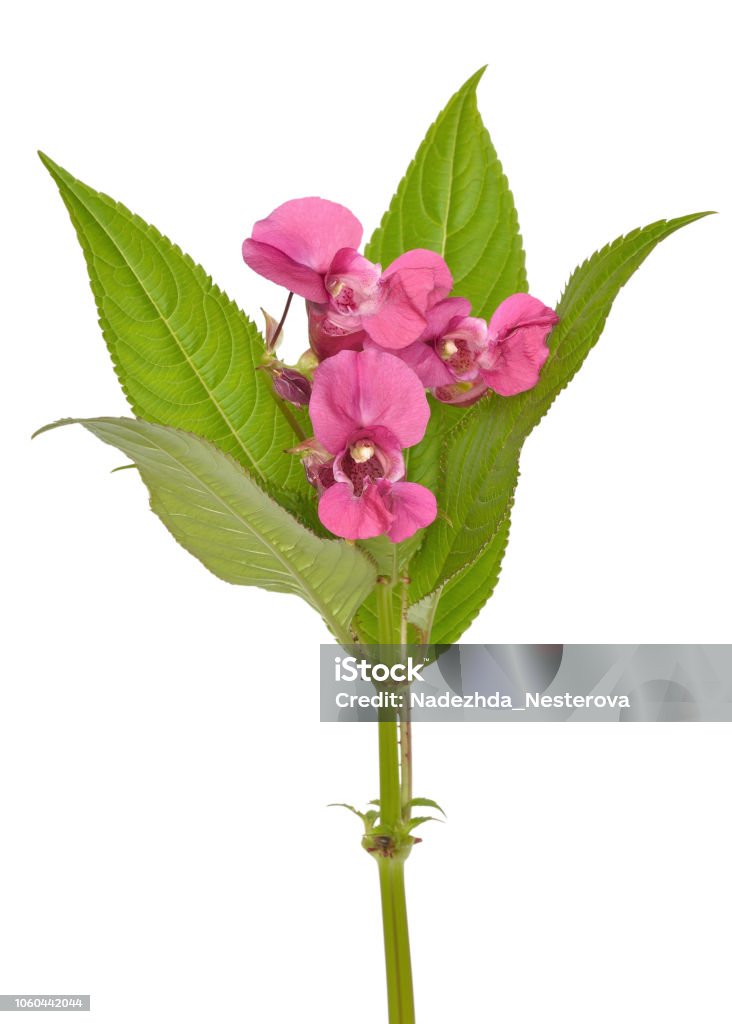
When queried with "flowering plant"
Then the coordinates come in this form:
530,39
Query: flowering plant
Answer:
375,477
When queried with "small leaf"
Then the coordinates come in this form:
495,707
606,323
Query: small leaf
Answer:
415,822
421,801
221,516
352,809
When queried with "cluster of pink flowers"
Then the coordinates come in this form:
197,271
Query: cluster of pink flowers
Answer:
378,339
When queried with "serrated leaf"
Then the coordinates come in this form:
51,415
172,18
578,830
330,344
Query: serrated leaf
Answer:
460,557
422,801
455,200
415,822
218,513
352,809
458,602
184,353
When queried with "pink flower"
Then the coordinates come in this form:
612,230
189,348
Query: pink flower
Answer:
296,244
310,247
461,357
429,355
327,338
517,344
366,407
390,309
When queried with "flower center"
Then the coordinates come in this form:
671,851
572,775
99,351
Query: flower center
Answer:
449,348
361,464
458,355
344,297
354,286
362,451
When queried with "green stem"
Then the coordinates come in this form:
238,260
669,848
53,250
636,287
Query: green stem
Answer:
400,994
405,752
389,785
401,927
393,995
391,859
385,612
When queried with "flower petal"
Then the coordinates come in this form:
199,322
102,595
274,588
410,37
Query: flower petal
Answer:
461,392
273,264
411,285
355,390
396,322
412,507
345,515
329,332
424,275
521,310
422,359
310,231
306,234
517,349
440,316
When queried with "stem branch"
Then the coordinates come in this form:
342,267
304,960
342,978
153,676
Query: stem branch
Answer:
281,324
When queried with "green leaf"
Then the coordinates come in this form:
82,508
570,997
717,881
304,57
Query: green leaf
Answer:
184,354
456,569
415,822
456,604
422,801
455,200
217,512
352,809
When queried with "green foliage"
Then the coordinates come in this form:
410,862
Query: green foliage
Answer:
218,513
210,442
455,200
368,818
423,801
184,353
458,564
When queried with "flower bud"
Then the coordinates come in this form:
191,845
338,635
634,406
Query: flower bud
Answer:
317,463
289,384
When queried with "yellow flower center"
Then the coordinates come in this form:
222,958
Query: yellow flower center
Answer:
362,451
449,348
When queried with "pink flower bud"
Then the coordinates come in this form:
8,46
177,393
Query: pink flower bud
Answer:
289,384
317,463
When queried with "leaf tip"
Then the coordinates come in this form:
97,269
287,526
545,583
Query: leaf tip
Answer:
46,161
472,83
57,172
51,426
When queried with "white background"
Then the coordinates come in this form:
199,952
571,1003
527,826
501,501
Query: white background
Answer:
163,776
